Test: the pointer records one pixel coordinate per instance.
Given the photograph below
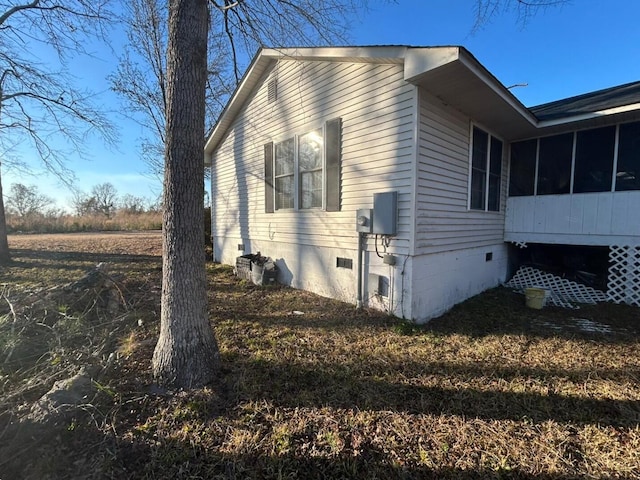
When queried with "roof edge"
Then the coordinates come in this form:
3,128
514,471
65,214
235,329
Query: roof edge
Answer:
209,145
418,62
472,63
265,56
338,53
590,115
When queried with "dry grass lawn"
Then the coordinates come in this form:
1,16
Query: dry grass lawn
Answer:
489,390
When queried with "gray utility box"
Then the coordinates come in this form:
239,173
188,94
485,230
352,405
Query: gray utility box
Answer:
385,213
363,220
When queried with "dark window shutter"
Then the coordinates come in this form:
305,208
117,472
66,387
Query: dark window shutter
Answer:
333,153
268,177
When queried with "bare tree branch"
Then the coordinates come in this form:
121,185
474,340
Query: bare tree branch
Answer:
238,28
40,104
15,9
486,10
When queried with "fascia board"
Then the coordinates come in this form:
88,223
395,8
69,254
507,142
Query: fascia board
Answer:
244,89
492,82
371,53
590,116
419,61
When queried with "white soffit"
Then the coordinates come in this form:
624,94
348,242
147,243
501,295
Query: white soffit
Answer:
454,76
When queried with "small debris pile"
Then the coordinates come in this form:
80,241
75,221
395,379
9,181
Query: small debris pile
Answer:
35,320
53,346
256,268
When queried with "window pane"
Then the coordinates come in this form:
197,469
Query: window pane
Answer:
310,151
310,167
284,173
495,173
284,192
311,189
554,164
284,157
594,160
496,156
494,193
478,180
523,168
628,172
479,153
480,146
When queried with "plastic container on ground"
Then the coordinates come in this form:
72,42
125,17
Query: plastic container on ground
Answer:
535,297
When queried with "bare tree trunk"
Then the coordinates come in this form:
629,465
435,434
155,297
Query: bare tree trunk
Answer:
4,243
186,355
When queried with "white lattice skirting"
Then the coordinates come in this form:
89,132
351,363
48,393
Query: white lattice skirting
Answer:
623,285
560,291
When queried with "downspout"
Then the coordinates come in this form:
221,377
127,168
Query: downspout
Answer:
359,274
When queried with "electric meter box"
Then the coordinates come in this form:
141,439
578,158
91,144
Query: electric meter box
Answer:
385,213
363,220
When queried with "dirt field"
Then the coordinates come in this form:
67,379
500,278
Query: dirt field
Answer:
128,243
489,390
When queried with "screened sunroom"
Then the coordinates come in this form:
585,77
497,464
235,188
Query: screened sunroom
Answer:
581,189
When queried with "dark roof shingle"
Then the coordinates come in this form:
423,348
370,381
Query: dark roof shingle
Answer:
589,102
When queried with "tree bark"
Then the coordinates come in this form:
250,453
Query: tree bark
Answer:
5,256
186,355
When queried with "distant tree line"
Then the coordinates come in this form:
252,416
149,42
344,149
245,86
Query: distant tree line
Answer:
103,199
29,210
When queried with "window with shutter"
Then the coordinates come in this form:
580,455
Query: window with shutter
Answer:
303,171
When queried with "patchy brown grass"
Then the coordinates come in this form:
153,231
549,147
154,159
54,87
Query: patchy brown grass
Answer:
489,390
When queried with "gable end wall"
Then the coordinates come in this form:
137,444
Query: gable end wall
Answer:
377,108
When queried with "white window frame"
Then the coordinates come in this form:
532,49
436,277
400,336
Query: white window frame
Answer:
297,185
487,170
276,177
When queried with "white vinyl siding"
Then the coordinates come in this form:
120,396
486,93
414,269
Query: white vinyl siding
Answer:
443,219
376,108
602,218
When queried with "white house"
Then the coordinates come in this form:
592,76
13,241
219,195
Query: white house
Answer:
422,157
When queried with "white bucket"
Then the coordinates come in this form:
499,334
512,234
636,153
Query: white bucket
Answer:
535,297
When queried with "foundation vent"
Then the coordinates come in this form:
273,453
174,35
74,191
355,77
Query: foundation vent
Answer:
344,263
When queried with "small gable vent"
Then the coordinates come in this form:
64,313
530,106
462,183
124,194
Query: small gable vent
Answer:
272,90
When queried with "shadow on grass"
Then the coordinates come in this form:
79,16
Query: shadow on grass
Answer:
502,311
95,454
60,259
499,311
370,464
290,385
53,268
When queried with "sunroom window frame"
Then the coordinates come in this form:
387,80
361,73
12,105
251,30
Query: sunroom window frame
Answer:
614,186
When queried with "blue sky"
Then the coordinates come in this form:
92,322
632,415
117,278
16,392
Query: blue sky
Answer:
578,47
